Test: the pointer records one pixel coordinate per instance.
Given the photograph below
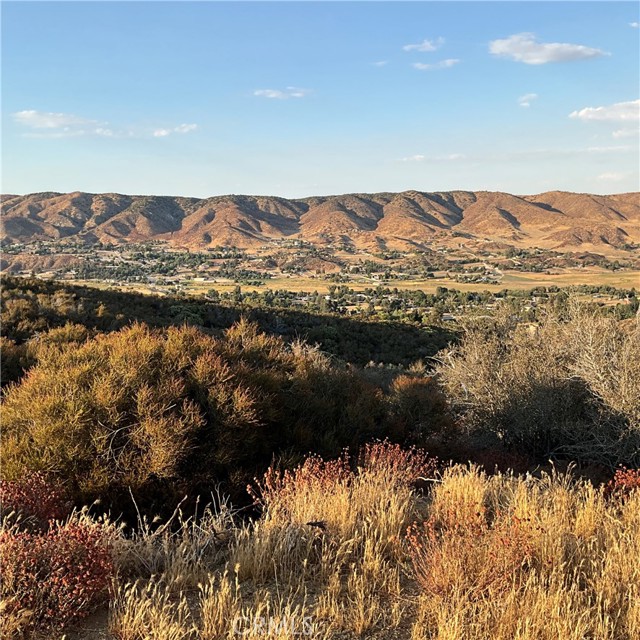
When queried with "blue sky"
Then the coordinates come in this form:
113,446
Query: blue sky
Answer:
311,98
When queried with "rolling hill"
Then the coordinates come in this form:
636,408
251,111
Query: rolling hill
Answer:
555,220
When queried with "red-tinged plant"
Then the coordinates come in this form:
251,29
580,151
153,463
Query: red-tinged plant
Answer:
313,475
623,482
397,465
35,499
469,553
58,576
388,462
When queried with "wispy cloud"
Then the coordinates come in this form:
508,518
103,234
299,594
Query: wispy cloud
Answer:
181,128
523,47
609,149
626,133
50,120
49,124
443,64
449,157
635,25
613,176
380,63
618,112
425,45
523,155
527,99
285,94
185,128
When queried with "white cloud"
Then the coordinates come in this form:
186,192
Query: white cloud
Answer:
450,157
381,63
277,94
56,133
523,47
443,64
618,112
635,25
298,93
527,99
610,149
107,133
49,120
270,93
425,45
185,128
46,124
612,176
181,128
626,133
523,155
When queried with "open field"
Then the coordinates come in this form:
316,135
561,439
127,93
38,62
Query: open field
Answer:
510,280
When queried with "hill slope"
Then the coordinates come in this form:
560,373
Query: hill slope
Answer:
553,220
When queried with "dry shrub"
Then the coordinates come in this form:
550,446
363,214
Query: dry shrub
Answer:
35,500
51,579
340,498
499,557
340,527
332,529
420,407
169,413
570,386
183,549
472,557
623,482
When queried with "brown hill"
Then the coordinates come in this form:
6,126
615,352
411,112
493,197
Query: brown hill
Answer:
554,220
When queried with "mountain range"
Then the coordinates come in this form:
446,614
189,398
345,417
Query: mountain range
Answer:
554,220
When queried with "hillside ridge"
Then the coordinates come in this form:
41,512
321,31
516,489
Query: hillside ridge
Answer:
557,220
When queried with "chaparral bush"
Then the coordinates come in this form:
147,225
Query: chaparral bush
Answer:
623,482
33,500
53,578
164,413
569,385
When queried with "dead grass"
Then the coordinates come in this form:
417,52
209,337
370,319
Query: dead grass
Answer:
347,550
359,553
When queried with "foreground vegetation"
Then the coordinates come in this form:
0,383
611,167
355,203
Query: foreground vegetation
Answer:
160,414
382,546
148,421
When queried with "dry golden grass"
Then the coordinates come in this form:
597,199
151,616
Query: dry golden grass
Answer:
485,557
570,555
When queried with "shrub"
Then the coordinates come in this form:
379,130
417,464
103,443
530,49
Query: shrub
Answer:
34,499
490,556
421,408
623,482
365,501
165,413
569,386
57,577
